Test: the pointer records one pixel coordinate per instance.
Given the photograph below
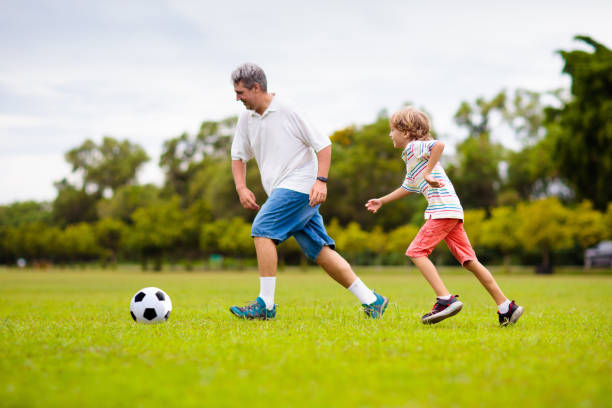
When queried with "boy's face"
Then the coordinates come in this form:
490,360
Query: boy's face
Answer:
400,139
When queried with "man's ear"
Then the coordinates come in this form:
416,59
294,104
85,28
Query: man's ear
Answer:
256,87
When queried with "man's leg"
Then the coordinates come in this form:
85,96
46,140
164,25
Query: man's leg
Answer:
336,266
267,257
340,270
267,261
263,308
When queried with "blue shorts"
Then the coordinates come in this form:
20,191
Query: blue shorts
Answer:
286,213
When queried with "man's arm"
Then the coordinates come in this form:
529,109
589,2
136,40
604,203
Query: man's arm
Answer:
247,198
434,157
318,191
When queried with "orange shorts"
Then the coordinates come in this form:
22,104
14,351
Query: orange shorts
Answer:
435,230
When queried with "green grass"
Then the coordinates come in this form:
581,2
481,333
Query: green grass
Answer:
66,339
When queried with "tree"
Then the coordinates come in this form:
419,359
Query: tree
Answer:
156,230
184,156
583,126
79,242
587,224
109,165
25,212
542,226
109,233
499,232
475,175
73,205
126,200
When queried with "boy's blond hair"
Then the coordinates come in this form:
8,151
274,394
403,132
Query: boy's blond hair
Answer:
412,122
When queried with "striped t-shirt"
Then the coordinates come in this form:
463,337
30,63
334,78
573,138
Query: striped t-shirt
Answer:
443,201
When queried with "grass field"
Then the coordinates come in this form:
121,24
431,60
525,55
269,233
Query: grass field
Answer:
67,339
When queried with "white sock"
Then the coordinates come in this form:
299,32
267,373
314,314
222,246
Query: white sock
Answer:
267,285
363,293
504,307
447,297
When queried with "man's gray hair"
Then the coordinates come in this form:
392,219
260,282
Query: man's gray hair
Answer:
249,74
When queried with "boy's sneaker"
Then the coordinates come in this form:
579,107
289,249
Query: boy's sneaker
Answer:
256,310
514,313
442,309
376,309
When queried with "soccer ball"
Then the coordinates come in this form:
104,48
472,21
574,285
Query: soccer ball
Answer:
150,305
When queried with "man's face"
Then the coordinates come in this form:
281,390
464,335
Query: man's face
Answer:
247,96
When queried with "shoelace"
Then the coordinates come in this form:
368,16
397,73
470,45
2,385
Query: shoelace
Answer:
250,305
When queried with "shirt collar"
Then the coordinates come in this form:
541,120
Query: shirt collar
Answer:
273,107
405,152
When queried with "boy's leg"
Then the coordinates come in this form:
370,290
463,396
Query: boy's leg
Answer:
430,234
421,247
430,273
459,244
486,279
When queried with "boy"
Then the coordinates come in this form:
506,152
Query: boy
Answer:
444,216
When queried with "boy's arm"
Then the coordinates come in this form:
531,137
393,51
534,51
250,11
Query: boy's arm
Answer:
434,157
374,204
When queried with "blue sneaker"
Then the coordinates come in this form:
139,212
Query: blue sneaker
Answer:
256,310
376,309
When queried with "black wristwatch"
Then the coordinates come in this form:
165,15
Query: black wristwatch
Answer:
323,179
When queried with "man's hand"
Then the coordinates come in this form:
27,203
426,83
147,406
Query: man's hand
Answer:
433,182
373,205
247,199
318,193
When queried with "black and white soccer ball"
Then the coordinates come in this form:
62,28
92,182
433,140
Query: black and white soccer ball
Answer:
150,305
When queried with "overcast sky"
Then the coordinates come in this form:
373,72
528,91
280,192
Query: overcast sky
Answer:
150,70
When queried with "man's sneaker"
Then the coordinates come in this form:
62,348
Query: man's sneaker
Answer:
376,309
442,309
256,310
514,313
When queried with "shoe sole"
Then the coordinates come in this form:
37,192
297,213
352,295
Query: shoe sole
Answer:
451,310
515,316
250,317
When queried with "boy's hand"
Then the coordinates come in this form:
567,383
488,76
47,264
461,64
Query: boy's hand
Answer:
433,182
373,205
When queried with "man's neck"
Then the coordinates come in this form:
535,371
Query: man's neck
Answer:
265,102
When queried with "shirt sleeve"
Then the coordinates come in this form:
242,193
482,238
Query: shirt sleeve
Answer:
241,147
407,185
308,134
422,148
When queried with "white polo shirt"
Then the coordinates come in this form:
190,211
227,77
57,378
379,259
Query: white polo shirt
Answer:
283,143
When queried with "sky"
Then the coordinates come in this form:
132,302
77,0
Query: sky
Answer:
148,71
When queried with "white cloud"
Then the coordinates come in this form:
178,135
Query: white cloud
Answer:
149,71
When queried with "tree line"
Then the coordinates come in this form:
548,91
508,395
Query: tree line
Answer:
550,198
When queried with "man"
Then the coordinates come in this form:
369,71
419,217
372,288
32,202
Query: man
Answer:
294,162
